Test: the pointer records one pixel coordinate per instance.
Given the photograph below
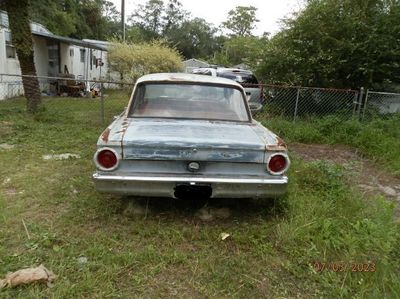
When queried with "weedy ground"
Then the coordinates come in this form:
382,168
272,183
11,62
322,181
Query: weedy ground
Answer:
98,250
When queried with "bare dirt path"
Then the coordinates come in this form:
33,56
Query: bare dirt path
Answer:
363,172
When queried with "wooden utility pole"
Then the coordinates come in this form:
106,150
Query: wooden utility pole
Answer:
123,19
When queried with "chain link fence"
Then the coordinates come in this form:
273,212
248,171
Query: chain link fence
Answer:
380,104
95,101
305,103
302,103
98,101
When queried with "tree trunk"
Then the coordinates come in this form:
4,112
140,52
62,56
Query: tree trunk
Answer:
18,16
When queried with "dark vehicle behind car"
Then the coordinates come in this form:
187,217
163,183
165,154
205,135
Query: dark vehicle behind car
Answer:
244,77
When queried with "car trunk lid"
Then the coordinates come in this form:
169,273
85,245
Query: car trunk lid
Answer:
194,140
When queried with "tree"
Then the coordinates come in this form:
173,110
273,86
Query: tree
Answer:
96,19
241,20
99,18
241,49
18,15
149,18
337,43
58,16
174,16
194,38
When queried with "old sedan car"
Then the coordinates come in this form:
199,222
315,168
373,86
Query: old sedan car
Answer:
190,134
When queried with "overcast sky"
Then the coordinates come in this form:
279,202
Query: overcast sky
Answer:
215,11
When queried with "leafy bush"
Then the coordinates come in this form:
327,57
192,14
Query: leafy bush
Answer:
135,60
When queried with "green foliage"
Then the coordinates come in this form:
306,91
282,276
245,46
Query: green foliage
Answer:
134,60
149,18
174,16
241,49
194,38
58,19
337,44
96,19
154,20
241,20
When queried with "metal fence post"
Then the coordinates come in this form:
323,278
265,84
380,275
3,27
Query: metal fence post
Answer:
262,94
365,104
360,100
355,102
296,105
102,104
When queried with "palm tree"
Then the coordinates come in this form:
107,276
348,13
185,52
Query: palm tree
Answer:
18,16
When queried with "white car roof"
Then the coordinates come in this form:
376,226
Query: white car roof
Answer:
184,77
225,69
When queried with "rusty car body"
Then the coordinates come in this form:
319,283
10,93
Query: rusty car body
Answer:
189,134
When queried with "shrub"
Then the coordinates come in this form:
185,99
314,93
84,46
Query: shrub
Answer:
135,60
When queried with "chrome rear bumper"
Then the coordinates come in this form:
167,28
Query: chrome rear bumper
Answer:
164,186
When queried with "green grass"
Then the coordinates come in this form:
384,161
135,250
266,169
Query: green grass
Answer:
170,252
378,139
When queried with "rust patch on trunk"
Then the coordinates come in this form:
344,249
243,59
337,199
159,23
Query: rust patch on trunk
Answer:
125,125
281,142
279,146
105,135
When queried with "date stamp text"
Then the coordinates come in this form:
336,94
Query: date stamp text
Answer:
344,266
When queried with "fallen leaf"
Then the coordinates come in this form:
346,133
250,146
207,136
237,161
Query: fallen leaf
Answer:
224,236
82,259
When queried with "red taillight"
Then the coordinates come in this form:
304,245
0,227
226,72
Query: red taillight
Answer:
107,159
277,164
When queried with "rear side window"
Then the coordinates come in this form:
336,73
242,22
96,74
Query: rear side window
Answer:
202,72
241,78
249,79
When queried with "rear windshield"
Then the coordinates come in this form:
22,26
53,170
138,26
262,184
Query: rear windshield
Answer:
241,78
189,101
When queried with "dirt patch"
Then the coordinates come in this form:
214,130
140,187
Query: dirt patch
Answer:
364,173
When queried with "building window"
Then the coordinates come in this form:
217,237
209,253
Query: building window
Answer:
53,52
91,59
83,54
10,49
71,52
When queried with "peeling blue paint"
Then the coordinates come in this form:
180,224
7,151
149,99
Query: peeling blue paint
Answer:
150,153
